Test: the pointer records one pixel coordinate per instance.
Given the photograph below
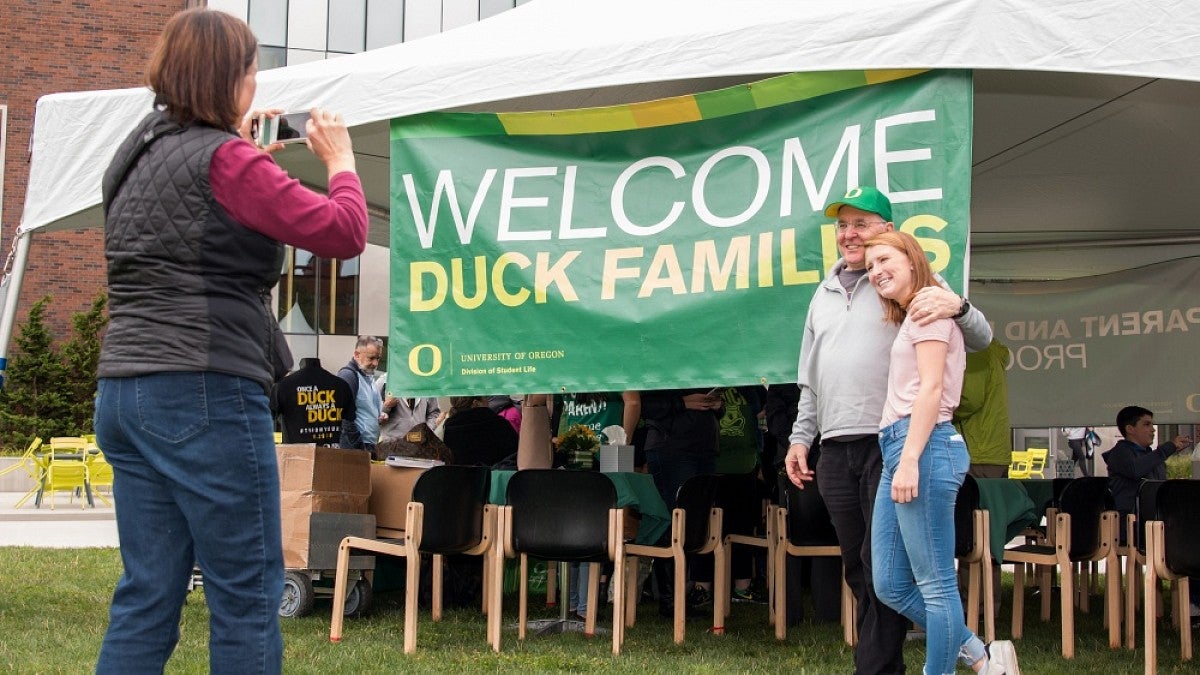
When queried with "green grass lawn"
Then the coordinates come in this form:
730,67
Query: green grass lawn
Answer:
54,604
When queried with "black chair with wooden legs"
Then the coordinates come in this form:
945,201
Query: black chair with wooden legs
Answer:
728,491
566,516
1134,552
1084,529
448,515
972,547
695,530
1173,553
803,528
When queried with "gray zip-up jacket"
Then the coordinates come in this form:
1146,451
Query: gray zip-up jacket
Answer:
844,357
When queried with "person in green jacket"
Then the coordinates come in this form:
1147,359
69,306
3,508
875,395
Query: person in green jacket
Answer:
982,413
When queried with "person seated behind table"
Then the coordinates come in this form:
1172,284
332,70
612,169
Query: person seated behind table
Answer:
404,413
475,434
419,443
504,406
1132,460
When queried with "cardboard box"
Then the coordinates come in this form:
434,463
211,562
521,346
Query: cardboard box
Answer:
391,491
313,479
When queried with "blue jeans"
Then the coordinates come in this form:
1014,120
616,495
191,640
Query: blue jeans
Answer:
912,544
195,480
579,587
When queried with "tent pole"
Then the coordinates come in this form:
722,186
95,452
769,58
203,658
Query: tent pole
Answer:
11,286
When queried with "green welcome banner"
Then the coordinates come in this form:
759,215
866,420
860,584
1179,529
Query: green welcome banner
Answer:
672,243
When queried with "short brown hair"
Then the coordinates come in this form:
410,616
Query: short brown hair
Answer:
197,68
462,403
922,277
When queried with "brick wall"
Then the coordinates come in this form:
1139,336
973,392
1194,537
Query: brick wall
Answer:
58,46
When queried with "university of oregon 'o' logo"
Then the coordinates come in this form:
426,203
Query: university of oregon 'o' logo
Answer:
434,359
853,193
1193,402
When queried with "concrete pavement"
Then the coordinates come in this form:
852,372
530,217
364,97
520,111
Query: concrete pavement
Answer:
64,526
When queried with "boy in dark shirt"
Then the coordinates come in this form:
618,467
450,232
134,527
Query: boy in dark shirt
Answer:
1132,460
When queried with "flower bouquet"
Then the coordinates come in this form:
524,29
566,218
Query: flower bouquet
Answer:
579,443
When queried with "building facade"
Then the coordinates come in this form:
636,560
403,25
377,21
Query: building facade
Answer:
58,46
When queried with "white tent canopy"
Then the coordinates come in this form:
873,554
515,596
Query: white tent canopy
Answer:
1085,133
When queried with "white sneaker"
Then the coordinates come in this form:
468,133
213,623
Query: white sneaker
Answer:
1002,658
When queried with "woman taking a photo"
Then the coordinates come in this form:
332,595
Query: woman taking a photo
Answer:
924,463
196,218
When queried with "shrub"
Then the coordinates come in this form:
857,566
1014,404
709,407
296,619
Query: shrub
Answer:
1179,465
51,391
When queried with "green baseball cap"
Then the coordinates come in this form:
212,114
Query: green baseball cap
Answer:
865,198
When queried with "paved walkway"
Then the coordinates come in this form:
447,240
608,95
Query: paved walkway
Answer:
64,526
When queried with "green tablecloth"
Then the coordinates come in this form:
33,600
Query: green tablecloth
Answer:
635,490
1040,491
1009,508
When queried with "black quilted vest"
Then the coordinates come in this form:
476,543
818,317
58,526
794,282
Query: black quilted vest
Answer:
189,288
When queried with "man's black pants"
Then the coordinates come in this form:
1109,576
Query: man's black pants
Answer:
848,477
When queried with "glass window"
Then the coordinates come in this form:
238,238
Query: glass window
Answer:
318,295
422,19
268,20
457,13
271,57
237,8
308,24
298,56
347,26
385,23
493,7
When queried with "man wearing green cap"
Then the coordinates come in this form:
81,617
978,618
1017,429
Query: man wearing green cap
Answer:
843,370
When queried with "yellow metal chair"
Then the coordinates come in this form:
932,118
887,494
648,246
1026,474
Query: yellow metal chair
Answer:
100,475
67,444
33,465
1020,464
1037,462
65,475
26,457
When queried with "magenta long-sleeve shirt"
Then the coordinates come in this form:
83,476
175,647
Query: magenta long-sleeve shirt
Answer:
260,195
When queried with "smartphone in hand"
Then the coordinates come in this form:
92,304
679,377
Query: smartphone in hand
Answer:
287,128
